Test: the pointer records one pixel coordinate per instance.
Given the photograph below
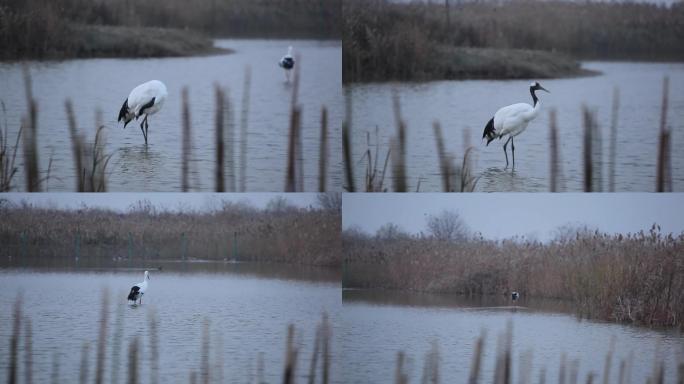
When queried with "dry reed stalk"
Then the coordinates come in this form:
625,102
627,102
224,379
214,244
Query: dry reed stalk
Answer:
76,145
542,375
220,185
204,363
116,344
83,372
468,181
7,161
294,143
187,147
474,375
314,355
327,335
323,152
621,376
55,369
444,160
230,140
260,368
399,148
102,338
30,124
399,376
609,360
154,347
244,115
431,366
590,378
346,142
14,343
663,165
28,351
217,368
290,357
373,183
574,371
133,361
554,150
613,139
561,370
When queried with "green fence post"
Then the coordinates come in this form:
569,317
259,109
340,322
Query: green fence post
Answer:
184,246
130,248
77,246
235,246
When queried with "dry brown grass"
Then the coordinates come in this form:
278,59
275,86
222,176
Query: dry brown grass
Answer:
52,237
634,278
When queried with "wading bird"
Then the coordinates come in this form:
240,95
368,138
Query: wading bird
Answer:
514,295
287,63
138,290
512,120
145,99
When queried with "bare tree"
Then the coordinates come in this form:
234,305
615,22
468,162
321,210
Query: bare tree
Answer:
447,226
390,231
331,201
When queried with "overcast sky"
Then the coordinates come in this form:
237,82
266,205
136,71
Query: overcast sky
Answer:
500,216
172,201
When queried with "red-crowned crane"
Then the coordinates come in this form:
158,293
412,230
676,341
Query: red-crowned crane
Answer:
145,99
287,62
512,120
138,290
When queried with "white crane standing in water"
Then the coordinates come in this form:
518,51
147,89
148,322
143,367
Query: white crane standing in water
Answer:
138,290
145,99
287,63
512,120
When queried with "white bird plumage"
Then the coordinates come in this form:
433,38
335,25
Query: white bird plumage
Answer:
287,62
138,290
145,99
512,120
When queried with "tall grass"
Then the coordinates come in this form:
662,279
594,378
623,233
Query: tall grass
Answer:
8,155
281,233
634,278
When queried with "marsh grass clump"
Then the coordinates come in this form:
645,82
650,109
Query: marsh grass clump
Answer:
634,278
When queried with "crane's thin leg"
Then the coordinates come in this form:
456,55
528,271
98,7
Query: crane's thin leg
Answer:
506,153
142,123
513,151
147,125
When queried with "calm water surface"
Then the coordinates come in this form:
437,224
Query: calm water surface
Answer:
105,83
376,325
248,315
465,107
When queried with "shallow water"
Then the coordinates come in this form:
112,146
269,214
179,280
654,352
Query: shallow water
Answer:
248,315
376,325
464,107
105,83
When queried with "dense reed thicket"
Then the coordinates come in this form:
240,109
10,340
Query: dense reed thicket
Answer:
44,28
431,40
636,278
32,236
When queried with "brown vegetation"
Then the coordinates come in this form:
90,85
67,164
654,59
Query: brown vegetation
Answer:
67,28
635,278
32,236
383,40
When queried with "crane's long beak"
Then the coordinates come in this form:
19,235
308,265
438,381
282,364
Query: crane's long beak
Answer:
544,89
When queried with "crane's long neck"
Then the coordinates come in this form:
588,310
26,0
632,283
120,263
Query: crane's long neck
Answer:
534,97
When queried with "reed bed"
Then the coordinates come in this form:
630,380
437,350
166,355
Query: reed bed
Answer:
208,373
634,278
32,236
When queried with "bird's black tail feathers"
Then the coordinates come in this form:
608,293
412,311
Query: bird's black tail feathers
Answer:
123,113
489,131
133,296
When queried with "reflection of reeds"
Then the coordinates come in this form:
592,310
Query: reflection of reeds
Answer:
14,343
154,348
83,371
133,361
102,338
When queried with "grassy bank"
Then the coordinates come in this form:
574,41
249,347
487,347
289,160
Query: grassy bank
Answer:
49,29
419,41
636,278
31,236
